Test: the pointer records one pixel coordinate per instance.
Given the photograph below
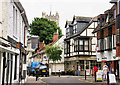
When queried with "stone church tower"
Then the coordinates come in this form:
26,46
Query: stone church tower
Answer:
51,17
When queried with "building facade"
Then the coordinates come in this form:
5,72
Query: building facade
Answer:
80,44
41,56
13,42
32,44
51,17
108,49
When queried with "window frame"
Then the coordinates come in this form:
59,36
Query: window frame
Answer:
77,45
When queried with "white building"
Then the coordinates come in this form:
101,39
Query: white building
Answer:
13,42
32,44
42,56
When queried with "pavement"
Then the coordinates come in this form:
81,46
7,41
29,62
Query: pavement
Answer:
66,79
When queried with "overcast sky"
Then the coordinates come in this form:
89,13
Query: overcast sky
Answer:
66,8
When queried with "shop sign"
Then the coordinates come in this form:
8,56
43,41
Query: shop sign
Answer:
112,78
104,59
99,76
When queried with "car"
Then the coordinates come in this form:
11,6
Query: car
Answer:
43,70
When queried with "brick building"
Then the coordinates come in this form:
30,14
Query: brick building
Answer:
108,48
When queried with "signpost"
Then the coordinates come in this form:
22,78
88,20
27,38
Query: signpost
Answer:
99,76
112,78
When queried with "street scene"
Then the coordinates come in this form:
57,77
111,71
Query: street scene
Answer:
60,42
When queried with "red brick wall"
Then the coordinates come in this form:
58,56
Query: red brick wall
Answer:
55,37
117,51
41,44
98,35
113,29
106,32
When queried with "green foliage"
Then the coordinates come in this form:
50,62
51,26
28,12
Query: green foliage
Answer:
53,52
44,28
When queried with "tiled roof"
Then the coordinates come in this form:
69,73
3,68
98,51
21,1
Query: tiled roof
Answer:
105,26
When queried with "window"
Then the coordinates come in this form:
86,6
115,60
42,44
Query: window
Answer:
101,44
87,64
93,63
66,47
114,14
82,64
14,21
67,32
74,30
76,45
110,42
118,36
86,45
81,45
105,43
15,69
114,41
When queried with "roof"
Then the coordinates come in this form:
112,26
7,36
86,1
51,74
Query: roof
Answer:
90,21
81,19
105,26
68,23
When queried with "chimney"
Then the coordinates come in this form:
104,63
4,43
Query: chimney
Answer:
55,37
41,44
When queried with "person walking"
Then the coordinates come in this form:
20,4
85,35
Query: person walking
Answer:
95,69
79,69
105,70
73,70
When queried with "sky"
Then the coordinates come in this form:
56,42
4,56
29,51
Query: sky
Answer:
66,9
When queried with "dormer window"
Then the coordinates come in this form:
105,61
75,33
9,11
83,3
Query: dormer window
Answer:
107,19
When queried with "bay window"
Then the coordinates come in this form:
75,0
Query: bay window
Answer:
81,45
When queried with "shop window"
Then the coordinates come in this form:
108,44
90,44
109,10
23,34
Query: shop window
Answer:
87,64
82,64
15,68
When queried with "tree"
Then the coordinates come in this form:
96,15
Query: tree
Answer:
44,28
54,53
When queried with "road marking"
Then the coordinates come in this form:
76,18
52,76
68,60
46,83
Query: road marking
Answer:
42,81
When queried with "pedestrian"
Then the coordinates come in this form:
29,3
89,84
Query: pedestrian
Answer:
95,69
73,70
105,70
79,69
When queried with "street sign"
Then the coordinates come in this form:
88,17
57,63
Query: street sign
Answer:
112,78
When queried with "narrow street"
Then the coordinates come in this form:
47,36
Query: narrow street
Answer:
63,80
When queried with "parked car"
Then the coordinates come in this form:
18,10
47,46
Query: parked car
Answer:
43,70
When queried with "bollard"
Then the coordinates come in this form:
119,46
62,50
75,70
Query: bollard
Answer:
59,73
107,78
95,76
85,74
